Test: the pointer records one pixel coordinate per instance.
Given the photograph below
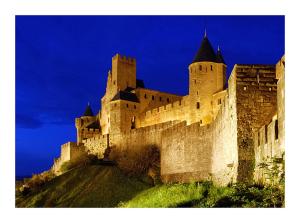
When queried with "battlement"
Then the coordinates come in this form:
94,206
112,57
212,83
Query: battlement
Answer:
69,144
151,128
87,130
97,137
166,108
124,59
256,77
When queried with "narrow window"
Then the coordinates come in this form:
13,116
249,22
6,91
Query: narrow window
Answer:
200,67
127,105
168,100
276,129
197,92
266,134
219,101
211,67
195,81
134,106
152,98
145,96
114,82
258,139
200,121
159,98
133,122
198,105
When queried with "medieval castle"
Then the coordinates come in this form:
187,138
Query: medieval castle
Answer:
214,132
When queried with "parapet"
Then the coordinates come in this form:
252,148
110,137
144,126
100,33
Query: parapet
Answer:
124,59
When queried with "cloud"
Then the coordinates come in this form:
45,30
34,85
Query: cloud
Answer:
26,121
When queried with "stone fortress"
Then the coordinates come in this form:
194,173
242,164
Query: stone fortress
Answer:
214,132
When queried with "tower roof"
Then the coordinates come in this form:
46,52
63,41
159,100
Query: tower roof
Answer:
206,52
124,95
88,111
219,56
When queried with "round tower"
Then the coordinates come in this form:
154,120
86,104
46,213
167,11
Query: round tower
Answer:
207,76
80,123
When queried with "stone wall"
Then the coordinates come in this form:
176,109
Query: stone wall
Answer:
266,146
195,153
186,153
280,74
256,95
130,148
269,140
69,151
175,111
96,145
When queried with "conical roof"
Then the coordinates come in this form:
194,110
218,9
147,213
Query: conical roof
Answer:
220,58
88,111
206,52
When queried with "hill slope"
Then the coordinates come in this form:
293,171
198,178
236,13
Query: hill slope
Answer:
88,186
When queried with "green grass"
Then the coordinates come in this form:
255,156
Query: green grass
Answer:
179,195
89,186
206,195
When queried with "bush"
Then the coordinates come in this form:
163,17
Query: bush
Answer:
35,182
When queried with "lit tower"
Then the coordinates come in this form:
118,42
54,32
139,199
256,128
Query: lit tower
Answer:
207,76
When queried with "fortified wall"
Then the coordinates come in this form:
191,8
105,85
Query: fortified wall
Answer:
269,140
256,95
195,153
69,151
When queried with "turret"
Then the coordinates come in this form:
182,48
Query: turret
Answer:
82,122
206,77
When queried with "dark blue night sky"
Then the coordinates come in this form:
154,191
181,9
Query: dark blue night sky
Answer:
62,64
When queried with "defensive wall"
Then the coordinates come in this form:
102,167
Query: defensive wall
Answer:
69,151
177,110
256,95
196,153
269,140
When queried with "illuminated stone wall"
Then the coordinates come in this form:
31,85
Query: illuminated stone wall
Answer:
194,152
256,93
269,140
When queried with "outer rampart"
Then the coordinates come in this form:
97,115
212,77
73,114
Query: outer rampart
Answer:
195,153
256,93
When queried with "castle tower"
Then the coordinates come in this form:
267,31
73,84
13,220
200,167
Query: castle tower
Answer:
83,122
121,80
123,75
207,76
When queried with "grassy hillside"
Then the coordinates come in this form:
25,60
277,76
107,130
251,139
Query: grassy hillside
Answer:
89,186
207,195
107,186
